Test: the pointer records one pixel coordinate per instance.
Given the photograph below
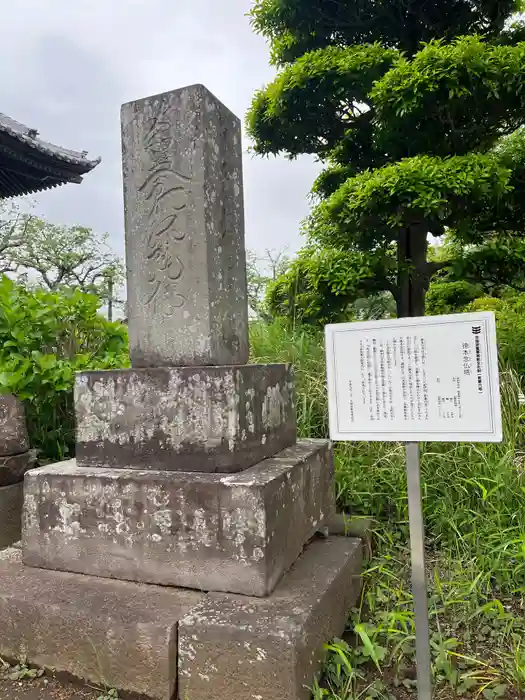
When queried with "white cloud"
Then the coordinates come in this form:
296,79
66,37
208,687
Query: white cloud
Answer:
68,66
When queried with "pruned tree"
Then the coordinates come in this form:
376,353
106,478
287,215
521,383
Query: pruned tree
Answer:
417,110
329,285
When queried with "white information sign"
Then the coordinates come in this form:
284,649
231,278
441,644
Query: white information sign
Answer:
433,378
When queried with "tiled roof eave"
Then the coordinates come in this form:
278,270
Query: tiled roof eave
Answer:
28,138
50,166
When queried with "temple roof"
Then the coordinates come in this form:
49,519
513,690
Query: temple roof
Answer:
28,164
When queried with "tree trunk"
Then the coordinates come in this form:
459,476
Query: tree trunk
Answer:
110,299
413,277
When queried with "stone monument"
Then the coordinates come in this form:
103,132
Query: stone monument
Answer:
188,471
15,460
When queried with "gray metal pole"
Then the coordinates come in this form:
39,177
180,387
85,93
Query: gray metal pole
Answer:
419,580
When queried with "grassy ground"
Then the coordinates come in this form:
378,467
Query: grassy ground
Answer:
474,504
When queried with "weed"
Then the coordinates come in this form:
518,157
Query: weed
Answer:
110,694
20,671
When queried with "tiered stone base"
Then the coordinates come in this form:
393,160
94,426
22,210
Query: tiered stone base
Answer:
134,637
188,419
236,533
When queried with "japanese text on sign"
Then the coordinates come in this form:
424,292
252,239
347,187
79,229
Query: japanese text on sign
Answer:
432,378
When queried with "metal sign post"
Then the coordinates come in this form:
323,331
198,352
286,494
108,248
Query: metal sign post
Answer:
419,578
433,378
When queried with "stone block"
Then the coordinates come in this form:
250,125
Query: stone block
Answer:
184,221
11,500
206,419
13,468
348,526
244,648
236,533
13,429
114,633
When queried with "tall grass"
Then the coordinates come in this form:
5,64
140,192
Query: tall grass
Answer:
473,497
474,494
474,508
303,348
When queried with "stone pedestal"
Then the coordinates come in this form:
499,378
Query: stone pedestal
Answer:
188,472
208,531
202,419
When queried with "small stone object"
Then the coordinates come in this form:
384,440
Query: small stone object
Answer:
184,220
13,468
11,500
198,419
13,429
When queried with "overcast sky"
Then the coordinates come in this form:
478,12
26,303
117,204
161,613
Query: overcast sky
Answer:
68,67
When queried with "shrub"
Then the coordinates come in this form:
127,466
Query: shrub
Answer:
45,338
450,297
510,320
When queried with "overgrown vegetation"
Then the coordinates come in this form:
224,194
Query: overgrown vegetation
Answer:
45,337
474,505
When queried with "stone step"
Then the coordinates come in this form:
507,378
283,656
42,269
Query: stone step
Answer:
111,633
128,635
212,532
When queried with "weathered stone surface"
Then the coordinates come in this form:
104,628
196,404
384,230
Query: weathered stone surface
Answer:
122,635
249,648
13,430
13,468
206,419
183,194
11,499
204,531
348,526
